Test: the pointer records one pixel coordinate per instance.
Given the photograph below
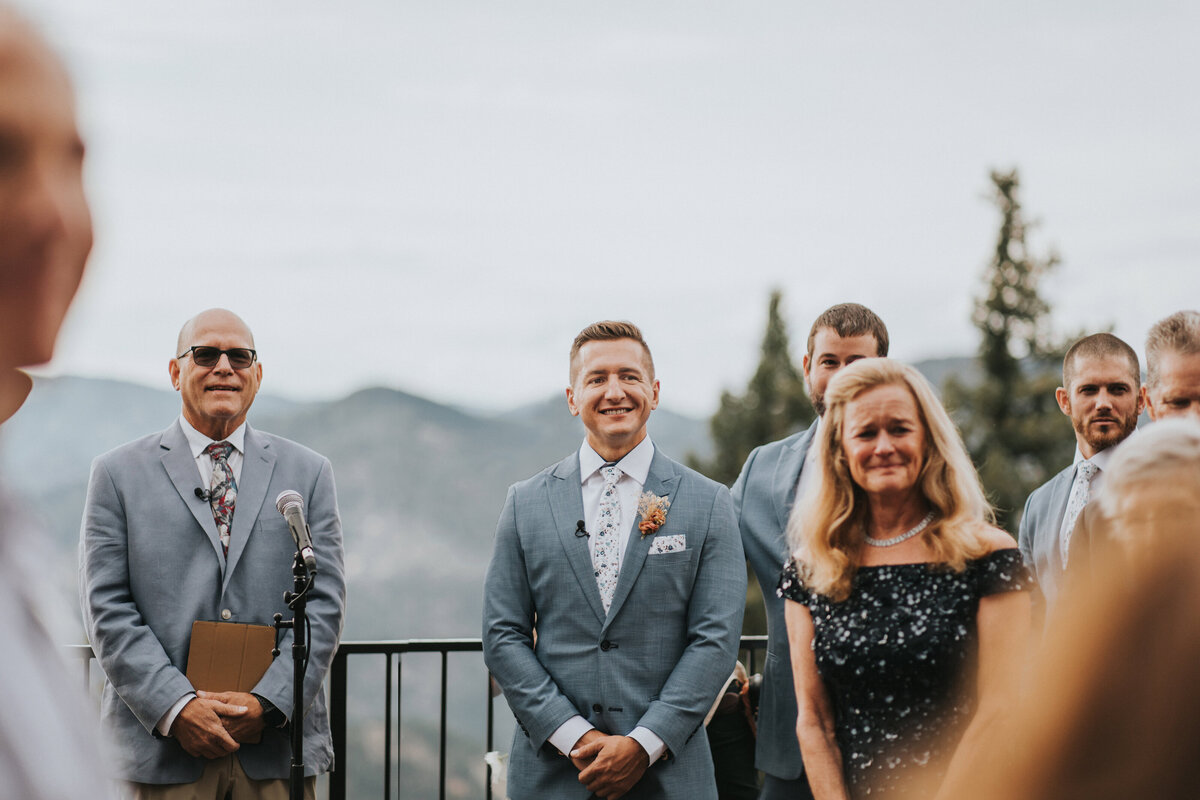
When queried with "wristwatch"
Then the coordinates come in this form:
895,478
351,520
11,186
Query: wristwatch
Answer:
272,716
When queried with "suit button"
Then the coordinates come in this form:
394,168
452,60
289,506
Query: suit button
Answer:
597,707
606,645
227,614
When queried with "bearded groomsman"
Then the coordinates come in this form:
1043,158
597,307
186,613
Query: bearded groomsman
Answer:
1100,394
763,496
613,602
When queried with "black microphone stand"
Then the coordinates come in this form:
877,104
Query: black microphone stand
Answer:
297,600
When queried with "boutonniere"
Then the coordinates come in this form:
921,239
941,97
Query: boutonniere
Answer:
653,510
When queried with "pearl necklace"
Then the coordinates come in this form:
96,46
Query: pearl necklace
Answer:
904,537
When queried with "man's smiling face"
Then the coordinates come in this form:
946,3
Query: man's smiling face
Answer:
215,399
613,391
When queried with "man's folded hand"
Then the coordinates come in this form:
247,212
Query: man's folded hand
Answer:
617,763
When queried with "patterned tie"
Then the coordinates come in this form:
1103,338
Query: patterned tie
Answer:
606,559
222,490
1081,490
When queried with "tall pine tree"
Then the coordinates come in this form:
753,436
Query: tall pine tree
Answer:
1012,425
773,406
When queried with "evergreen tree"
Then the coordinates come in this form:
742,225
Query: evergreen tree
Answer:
1012,425
773,406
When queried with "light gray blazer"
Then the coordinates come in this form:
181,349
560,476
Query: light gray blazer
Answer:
1039,537
151,563
658,659
763,497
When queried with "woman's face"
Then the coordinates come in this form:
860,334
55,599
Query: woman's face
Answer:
884,440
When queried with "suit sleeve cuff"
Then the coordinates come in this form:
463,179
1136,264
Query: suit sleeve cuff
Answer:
568,734
654,746
168,719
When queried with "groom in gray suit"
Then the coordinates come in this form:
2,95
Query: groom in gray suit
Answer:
157,555
1100,393
613,601
763,496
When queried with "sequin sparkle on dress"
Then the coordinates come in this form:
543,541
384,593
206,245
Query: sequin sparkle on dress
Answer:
898,659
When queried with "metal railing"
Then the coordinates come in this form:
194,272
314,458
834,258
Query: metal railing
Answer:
393,652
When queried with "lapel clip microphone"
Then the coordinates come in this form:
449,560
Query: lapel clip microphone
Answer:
203,495
580,532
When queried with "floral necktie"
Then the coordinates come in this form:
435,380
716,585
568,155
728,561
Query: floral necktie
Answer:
1081,492
606,557
222,490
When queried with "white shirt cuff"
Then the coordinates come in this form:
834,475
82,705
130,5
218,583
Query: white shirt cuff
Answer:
168,719
650,742
568,734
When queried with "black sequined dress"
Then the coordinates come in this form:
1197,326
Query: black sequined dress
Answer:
898,659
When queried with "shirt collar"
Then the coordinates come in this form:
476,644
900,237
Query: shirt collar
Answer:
635,463
197,441
1102,458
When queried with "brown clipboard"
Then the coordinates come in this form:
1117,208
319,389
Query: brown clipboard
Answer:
229,656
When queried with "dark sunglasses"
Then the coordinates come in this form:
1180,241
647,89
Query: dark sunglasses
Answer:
202,356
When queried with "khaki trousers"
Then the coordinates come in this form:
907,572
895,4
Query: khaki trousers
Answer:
223,779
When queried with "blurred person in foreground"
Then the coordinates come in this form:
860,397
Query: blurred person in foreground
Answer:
47,735
1172,385
1100,394
158,552
909,610
773,477
614,598
1115,714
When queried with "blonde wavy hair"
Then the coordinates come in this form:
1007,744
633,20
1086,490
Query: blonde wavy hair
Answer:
827,525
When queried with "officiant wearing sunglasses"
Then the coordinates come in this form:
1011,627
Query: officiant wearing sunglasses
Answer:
181,526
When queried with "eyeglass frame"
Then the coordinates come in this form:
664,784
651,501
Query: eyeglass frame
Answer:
192,352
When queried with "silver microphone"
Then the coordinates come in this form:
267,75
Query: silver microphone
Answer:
291,505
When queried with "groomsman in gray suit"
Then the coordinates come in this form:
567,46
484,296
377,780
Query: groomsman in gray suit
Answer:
613,602
181,526
1100,393
763,496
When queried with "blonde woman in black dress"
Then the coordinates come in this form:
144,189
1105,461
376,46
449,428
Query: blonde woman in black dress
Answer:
910,612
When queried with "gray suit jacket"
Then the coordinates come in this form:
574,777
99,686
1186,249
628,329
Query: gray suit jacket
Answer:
151,563
763,496
1039,539
658,659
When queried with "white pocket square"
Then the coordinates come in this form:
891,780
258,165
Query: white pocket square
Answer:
668,544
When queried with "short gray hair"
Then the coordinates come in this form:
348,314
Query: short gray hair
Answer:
1178,333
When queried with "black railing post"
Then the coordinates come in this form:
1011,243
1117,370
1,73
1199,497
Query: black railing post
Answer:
442,735
387,731
488,745
400,719
337,725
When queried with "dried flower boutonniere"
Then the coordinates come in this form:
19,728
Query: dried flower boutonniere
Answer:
653,510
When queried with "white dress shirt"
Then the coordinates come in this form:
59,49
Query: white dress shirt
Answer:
197,442
634,466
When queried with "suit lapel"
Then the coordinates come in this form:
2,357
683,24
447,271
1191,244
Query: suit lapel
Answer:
787,474
566,509
181,468
258,462
1058,510
662,480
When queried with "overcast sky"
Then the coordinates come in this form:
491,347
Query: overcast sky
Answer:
436,196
